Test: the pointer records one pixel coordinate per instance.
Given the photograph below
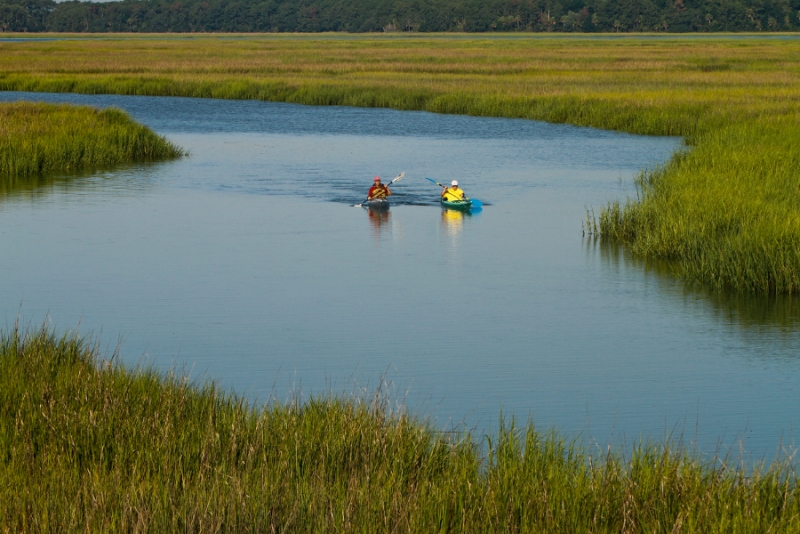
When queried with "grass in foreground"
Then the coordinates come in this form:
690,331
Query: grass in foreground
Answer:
86,445
727,212
36,139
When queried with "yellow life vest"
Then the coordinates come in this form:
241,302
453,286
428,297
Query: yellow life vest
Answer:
378,191
453,193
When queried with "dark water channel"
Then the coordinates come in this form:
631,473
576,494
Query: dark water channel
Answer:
247,264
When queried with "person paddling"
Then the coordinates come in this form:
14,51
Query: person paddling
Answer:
452,193
378,190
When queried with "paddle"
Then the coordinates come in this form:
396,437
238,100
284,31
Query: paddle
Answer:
437,183
476,204
396,179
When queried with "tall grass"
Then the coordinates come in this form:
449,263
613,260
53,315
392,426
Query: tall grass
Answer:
728,211
43,138
724,211
87,445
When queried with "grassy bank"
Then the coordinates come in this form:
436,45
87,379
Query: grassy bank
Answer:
86,445
725,212
728,211
41,138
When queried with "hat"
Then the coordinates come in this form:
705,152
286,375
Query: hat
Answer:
454,182
377,179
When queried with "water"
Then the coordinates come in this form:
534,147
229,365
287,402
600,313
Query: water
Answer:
247,264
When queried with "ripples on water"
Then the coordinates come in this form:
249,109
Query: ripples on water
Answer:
247,263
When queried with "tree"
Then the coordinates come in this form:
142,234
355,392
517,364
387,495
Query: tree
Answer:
403,15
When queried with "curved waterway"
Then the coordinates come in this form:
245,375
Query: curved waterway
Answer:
246,263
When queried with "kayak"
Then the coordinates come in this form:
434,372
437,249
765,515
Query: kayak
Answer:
463,205
377,204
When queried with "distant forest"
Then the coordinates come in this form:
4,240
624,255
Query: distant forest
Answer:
401,15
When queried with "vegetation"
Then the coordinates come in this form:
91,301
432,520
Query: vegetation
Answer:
725,211
41,138
401,15
728,211
87,445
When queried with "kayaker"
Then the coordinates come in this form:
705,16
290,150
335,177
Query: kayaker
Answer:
378,190
449,194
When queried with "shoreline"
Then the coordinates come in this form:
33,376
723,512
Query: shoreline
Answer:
88,443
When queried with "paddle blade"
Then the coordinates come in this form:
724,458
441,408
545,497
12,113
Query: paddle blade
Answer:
476,204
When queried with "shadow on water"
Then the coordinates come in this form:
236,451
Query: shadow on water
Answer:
748,311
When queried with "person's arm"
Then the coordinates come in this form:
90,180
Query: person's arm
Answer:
369,194
388,191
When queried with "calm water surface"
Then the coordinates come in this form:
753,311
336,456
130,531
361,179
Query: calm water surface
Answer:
247,264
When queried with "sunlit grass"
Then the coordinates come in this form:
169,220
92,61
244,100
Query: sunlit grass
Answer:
36,139
87,445
728,211
724,211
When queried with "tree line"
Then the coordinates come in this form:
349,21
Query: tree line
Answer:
400,15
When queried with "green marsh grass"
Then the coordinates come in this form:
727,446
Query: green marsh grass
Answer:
88,445
36,139
724,212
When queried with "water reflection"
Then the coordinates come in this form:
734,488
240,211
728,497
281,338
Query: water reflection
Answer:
124,178
751,310
453,221
452,224
37,186
379,220
745,310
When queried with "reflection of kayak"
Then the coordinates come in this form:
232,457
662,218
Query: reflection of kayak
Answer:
377,204
463,205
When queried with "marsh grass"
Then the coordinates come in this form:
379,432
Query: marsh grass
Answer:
728,210
725,212
36,139
88,445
